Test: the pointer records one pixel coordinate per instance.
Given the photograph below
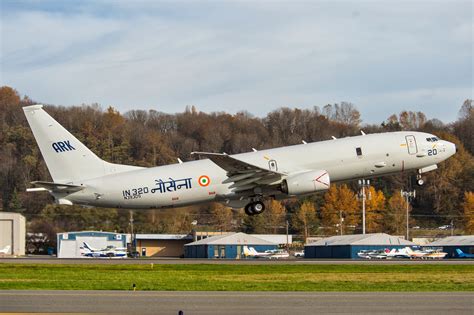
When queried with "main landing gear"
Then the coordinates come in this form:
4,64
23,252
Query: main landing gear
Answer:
254,208
419,180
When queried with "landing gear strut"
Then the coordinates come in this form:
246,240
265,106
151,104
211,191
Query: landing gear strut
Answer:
254,208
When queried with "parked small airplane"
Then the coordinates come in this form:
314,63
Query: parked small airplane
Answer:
374,254
5,250
415,253
434,254
252,252
462,254
108,252
239,181
277,254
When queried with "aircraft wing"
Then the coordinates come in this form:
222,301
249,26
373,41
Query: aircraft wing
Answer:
57,187
243,175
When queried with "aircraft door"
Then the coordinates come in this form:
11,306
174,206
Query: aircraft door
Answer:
411,144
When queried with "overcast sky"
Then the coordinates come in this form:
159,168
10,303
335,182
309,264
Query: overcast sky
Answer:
383,56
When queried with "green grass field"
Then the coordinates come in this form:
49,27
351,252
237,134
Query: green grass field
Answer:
239,277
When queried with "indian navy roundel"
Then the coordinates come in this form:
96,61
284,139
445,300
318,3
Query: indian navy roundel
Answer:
204,181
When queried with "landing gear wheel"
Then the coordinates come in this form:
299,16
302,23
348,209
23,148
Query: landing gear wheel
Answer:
254,208
419,180
258,207
248,209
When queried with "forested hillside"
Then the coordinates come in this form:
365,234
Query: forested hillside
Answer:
150,138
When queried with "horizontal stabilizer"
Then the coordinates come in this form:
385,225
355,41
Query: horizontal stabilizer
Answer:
58,187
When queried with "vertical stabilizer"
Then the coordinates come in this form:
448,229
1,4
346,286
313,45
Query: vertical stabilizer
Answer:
67,159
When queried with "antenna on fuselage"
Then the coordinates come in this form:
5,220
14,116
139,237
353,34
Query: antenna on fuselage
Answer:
304,142
334,138
362,132
254,150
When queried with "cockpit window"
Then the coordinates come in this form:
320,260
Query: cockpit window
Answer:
428,139
432,139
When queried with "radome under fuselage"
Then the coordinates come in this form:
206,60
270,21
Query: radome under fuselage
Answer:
202,181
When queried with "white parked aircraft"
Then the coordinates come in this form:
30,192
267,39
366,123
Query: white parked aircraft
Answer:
252,252
5,250
108,252
240,180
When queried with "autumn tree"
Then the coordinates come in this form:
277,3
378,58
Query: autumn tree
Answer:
275,216
468,207
221,217
395,220
443,191
305,219
464,126
375,210
339,198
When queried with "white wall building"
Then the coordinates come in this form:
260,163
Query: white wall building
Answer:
12,233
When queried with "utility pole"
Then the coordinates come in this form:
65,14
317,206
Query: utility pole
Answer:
408,195
132,237
341,221
363,183
287,239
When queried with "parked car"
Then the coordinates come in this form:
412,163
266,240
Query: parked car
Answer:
299,253
445,227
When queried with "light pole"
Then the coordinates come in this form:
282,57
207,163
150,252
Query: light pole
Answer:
363,183
341,220
132,238
408,195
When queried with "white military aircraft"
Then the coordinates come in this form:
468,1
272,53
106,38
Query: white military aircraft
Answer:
240,180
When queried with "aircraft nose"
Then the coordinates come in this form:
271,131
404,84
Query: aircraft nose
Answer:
453,148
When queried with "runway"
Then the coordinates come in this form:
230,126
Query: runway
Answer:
175,261
236,302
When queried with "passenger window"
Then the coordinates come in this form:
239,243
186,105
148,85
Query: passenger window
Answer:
359,151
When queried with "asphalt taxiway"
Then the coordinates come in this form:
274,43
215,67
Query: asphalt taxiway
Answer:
141,302
174,261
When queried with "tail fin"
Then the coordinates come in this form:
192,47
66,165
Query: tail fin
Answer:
67,159
86,246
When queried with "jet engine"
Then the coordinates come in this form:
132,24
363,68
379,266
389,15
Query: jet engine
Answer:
306,183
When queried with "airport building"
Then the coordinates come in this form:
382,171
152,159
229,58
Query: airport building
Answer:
162,245
280,239
70,243
449,245
347,246
228,246
12,234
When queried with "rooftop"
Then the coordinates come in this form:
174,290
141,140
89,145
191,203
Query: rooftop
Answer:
163,237
463,240
232,239
362,239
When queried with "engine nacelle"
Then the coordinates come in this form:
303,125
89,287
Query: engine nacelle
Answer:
306,183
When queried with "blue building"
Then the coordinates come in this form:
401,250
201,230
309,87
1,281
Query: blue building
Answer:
70,243
347,246
449,245
228,246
